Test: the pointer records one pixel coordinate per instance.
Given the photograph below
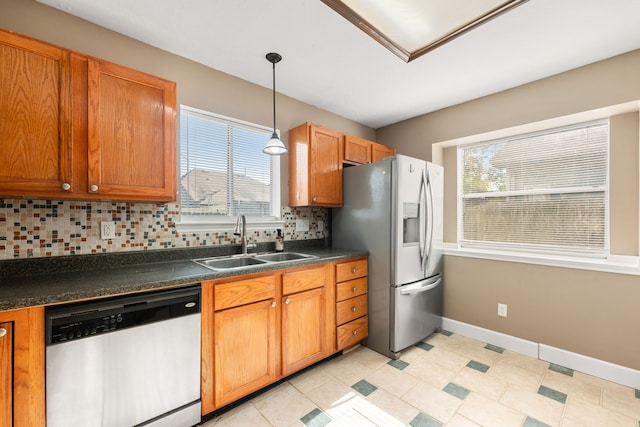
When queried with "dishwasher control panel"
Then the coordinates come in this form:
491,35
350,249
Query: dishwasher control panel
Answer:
72,322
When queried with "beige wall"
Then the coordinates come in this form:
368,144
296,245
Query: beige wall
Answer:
197,85
587,312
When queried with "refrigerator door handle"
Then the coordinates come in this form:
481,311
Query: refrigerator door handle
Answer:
423,225
419,287
430,219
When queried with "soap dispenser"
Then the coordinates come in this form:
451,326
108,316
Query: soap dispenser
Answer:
279,241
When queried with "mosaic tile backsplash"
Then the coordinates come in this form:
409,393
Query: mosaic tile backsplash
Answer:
47,228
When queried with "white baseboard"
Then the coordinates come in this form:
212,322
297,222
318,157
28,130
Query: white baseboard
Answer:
588,365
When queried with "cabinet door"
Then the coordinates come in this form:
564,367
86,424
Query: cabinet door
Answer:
245,352
35,115
379,152
303,323
357,150
325,169
131,134
6,374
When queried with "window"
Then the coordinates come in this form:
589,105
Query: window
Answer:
223,171
544,192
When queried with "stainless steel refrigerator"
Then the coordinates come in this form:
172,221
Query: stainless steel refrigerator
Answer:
393,209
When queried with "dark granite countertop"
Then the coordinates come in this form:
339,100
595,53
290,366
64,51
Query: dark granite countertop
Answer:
36,282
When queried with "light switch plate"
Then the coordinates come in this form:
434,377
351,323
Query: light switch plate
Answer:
321,225
107,230
302,225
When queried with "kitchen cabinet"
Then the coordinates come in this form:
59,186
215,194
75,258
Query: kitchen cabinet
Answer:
351,303
305,331
259,328
35,114
77,127
315,166
22,398
359,151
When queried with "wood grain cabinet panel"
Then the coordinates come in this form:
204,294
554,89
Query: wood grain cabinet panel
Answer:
352,318
35,114
22,395
359,151
315,166
77,127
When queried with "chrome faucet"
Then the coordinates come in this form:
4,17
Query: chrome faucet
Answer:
241,230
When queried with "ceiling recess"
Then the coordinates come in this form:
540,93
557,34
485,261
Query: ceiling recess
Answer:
412,28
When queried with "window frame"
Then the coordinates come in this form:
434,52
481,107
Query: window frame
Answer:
197,223
529,250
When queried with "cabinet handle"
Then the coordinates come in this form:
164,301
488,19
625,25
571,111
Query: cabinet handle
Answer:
355,332
66,186
3,332
354,289
287,301
93,188
314,200
354,270
354,309
273,303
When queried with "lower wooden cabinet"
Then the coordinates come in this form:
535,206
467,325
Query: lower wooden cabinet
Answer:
22,396
259,328
351,303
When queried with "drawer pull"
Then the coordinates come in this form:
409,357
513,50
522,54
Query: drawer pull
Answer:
354,289
354,309
3,332
287,301
355,332
273,304
354,270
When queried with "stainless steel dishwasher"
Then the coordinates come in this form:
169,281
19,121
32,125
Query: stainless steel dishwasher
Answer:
122,362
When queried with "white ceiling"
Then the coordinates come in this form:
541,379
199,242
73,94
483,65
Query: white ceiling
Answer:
329,63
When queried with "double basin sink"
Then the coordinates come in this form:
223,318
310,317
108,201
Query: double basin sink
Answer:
240,261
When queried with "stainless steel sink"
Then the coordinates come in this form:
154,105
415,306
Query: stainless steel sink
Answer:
227,263
283,256
238,261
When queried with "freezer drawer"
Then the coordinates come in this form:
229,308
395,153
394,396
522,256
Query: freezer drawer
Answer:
416,312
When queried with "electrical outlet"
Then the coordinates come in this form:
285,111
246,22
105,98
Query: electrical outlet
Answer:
302,225
320,225
502,310
107,230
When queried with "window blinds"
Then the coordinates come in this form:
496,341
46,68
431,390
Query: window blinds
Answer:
546,191
223,171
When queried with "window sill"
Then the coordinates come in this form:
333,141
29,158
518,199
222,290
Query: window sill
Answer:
200,227
622,264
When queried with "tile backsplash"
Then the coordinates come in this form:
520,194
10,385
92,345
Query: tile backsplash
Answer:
47,228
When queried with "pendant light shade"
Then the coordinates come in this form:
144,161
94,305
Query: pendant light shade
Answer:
274,147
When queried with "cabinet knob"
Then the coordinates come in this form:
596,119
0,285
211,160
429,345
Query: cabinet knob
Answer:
354,270
273,304
354,289
314,200
93,188
3,332
354,309
355,332
287,301
66,186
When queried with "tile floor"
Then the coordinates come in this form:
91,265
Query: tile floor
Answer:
447,380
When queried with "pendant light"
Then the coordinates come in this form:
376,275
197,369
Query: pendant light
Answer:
274,147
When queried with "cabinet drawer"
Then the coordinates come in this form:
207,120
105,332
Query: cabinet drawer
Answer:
242,292
350,289
352,332
351,309
298,281
351,270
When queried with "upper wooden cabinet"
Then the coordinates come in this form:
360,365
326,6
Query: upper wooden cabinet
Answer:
77,127
315,166
359,151
131,133
35,117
